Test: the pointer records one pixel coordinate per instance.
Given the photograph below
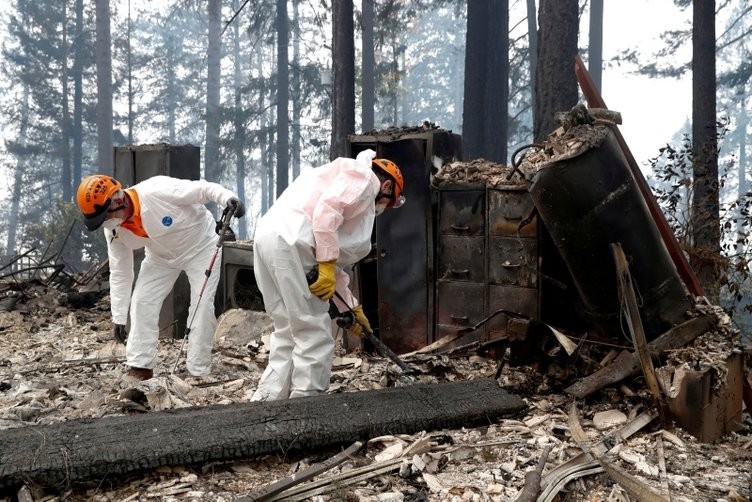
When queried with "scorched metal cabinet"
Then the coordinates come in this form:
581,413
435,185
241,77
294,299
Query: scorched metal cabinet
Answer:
396,280
135,163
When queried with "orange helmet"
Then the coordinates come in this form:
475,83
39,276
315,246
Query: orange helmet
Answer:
391,169
94,198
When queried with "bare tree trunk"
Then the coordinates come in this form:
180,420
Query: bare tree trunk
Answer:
366,72
343,88
532,35
296,98
20,170
103,55
555,80
705,219
283,98
170,85
213,59
595,42
130,77
65,121
484,115
239,126
267,196
78,95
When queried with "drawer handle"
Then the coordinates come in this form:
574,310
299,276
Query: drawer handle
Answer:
507,264
460,228
462,271
459,318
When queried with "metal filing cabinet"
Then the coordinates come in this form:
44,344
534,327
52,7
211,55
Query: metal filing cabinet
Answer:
512,252
397,281
135,163
461,263
486,262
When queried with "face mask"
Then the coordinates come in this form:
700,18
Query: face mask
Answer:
112,223
380,208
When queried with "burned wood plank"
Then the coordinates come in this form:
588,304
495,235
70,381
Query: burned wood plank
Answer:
108,449
628,297
627,363
635,487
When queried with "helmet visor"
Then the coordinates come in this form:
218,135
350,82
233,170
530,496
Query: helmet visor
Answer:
94,222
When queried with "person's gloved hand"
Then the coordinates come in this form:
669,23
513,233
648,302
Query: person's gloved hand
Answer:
239,207
326,281
119,333
361,322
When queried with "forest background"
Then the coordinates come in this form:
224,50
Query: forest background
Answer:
269,87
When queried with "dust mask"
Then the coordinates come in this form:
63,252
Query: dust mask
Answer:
112,223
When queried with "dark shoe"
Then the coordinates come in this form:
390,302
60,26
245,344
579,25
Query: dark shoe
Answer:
140,373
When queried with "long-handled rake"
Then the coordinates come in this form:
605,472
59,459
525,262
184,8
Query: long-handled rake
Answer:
226,216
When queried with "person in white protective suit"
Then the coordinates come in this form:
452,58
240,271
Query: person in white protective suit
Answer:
167,217
323,219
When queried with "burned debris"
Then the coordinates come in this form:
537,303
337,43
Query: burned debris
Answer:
528,295
586,201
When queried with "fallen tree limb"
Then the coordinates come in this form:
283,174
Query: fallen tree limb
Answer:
529,492
110,448
585,463
637,489
627,363
354,476
268,492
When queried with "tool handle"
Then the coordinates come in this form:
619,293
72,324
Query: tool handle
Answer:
378,344
227,214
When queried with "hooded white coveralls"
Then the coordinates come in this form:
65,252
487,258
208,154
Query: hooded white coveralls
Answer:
181,237
327,213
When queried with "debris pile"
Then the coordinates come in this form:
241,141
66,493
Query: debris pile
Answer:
59,366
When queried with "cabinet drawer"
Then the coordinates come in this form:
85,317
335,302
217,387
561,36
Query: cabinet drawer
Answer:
507,209
462,212
461,258
520,300
460,304
514,299
513,261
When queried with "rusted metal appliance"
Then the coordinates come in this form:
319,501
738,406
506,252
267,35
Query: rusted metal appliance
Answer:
397,279
487,262
135,163
588,201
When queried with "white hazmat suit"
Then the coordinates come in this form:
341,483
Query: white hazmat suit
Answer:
326,214
180,236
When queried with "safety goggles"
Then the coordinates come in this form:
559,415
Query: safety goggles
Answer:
397,202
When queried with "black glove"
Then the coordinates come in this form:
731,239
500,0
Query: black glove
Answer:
119,333
239,207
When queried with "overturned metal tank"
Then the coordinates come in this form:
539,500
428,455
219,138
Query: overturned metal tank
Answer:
587,198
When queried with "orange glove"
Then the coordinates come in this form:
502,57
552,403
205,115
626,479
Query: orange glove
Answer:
361,322
326,282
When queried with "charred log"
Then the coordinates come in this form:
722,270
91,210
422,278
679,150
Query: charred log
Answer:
77,452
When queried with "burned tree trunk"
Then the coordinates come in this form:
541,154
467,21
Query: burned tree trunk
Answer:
70,453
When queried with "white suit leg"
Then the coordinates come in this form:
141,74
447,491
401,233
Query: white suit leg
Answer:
313,352
153,284
275,381
201,336
280,277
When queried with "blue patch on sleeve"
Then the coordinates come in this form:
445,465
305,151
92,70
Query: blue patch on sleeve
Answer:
167,221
